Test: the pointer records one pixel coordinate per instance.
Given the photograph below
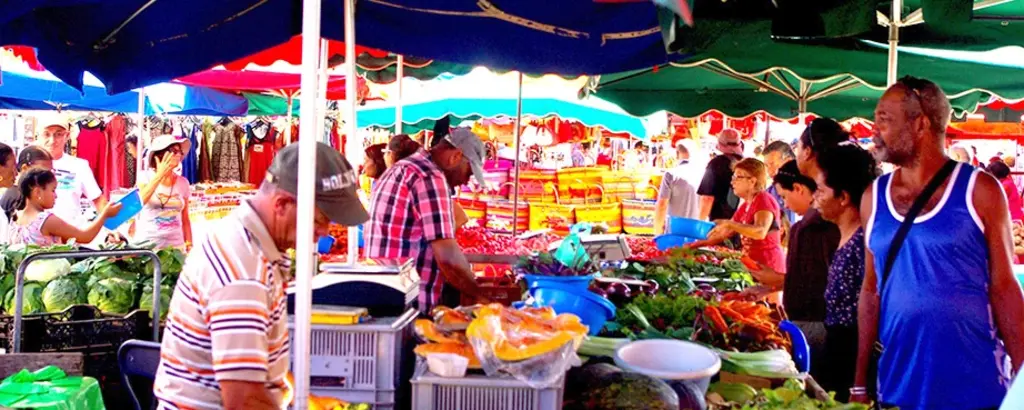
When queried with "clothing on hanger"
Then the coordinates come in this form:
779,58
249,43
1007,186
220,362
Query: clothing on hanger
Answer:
259,150
205,172
92,147
226,153
115,132
190,163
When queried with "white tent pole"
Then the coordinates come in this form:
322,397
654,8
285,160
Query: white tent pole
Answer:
350,124
400,73
140,164
519,145
894,40
306,200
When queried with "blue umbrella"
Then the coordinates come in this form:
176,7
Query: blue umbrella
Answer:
128,44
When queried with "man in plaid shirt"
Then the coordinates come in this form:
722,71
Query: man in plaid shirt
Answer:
411,216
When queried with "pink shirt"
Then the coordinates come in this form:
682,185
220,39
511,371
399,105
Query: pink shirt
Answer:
1013,199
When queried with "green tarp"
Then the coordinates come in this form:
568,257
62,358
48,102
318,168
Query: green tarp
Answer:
743,70
263,104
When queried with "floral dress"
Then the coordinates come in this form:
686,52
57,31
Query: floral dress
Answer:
32,234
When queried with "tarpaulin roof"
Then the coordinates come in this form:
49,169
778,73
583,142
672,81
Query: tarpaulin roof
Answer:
133,43
250,80
743,71
958,24
21,89
472,108
291,53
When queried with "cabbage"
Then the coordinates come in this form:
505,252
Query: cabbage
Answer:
146,303
45,270
61,293
33,297
112,295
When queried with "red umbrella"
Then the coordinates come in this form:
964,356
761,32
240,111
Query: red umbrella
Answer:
261,81
291,52
26,54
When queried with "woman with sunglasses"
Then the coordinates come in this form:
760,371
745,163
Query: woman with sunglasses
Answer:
164,218
756,220
820,135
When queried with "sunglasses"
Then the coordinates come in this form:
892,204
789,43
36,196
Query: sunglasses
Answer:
58,134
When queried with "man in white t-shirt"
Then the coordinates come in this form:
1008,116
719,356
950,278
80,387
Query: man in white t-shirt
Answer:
74,177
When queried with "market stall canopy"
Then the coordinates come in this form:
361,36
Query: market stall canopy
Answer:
975,25
132,43
744,71
468,108
249,80
21,88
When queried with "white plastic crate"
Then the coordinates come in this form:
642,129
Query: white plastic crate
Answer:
359,363
477,392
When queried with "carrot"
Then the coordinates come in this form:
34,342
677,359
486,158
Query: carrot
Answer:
716,319
729,313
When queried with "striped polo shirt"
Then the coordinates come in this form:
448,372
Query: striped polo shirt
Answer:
227,317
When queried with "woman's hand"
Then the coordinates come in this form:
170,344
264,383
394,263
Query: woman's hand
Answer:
723,229
167,164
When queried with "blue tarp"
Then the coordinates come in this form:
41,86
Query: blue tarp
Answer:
42,91
491,108
175,38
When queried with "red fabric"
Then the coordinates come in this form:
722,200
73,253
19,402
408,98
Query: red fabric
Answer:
767,251
260,154
267,81
291,52
1013,200
92,147
115,132
28,55
1000,104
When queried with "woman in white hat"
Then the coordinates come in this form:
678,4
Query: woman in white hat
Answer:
164,217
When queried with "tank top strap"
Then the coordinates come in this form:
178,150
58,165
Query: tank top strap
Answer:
963,183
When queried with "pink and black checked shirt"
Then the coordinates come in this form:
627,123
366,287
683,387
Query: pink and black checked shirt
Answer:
411,206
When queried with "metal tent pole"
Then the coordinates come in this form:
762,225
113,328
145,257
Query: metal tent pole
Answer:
400,73
354,147
140,164
321,100
519,145
306,200
288,129
894,40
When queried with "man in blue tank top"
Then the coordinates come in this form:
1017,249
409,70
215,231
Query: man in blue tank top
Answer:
951,308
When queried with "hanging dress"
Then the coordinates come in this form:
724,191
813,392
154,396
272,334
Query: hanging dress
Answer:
190,164
259,150
226,153
92,147
115,131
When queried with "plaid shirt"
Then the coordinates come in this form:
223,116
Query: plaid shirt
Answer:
410,206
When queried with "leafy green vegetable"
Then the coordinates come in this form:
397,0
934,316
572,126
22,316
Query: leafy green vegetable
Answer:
113,295
545,264
32,295
61,293
660,316
46,270
791,396
146,303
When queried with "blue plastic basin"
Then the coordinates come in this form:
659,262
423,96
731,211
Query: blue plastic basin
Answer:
801,350
692,228
666,242
576,282
592,309
131,205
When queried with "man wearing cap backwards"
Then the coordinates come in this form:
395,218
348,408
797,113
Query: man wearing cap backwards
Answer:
717,201
74,177
226,343
411,216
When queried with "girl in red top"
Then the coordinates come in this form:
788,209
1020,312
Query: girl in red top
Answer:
756,220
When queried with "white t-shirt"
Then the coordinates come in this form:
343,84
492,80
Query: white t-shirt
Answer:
75,181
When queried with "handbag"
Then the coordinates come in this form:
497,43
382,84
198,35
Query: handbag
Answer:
894,250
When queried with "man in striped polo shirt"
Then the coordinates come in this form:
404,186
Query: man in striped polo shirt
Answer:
226,343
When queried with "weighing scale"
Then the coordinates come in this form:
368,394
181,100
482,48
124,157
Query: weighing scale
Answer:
385,287
605,247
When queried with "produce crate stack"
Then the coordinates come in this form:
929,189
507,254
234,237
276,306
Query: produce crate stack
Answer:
363,363
478,392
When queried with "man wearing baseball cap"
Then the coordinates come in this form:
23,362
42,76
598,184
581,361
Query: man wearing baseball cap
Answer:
717,201
411,216
226,344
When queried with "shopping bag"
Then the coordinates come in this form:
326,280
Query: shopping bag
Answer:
571,253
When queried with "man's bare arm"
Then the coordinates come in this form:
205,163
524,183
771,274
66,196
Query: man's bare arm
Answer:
454,266
240,395
868,304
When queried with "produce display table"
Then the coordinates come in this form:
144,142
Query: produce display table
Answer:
492,259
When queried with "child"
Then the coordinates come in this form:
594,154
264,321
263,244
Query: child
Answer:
36,225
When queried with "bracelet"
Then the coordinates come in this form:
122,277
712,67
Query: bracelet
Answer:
858,390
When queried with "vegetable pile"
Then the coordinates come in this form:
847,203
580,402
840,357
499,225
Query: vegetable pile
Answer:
116,286
545,264
790,396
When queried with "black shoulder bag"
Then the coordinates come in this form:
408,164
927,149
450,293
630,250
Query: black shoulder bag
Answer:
897,243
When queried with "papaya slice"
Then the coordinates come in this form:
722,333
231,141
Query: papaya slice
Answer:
516,335
461,349
428,331
451,319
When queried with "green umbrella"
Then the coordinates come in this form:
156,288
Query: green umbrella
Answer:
956,24
742,71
